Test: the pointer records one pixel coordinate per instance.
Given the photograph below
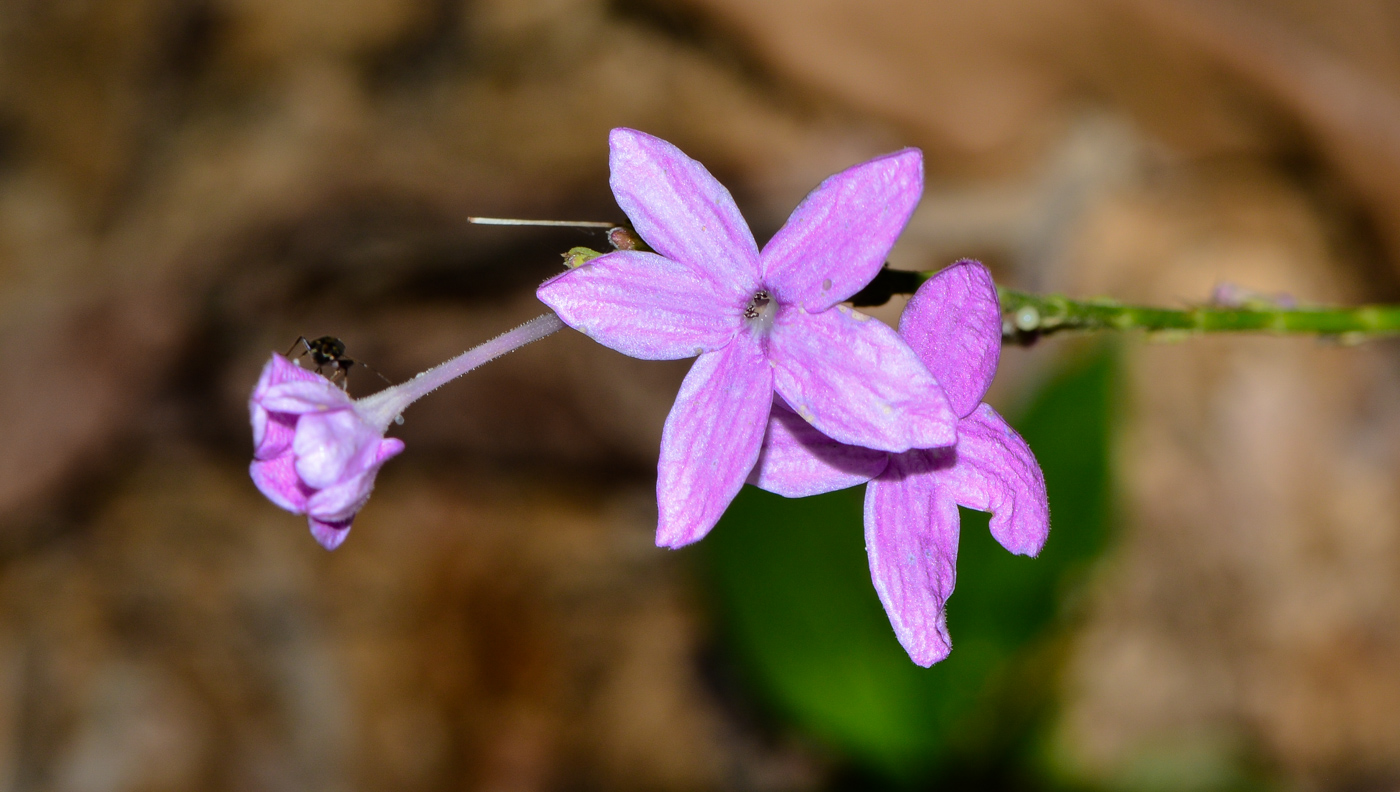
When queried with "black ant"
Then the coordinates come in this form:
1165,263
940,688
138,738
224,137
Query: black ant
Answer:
330,351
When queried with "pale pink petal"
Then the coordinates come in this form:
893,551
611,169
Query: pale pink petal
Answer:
911,536
711,439
645,306
330,534
796,460
853,379
341,501
277,479
953,323
839,236
996,472
305,397
681,211
331,447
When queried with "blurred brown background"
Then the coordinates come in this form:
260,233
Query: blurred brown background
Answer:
188,184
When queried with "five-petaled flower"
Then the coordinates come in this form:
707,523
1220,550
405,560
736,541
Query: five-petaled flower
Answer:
760,322
314,451
953,322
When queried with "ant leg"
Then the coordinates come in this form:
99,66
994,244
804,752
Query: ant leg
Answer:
300,340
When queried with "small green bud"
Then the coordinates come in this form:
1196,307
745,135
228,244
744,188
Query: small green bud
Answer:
578,256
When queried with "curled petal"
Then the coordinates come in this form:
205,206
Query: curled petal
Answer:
796,460
332,447
341,501
305,397
277,371
645,306
857,382
711,439
681,211
330,534
911,536
996,472
277,479
953,323
839,236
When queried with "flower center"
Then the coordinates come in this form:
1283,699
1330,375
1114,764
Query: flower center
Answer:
756,306
760,312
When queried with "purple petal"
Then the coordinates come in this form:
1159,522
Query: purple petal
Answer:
272,433
305,397
389,448
911,536
332,447
996,472
711,439
681,211
646,306
841,233
796,460
853,379
329,534
277,371
277,480
953,323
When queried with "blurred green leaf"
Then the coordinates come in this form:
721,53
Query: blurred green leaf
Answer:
806,630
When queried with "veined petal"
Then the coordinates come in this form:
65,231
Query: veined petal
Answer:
796,460
853,379
645,306
277,479
681,211
996,472
841,233
953,323
277,371
911,536
272,433
332,447
711,439
329,534
305,397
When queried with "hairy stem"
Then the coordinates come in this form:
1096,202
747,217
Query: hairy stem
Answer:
1028,316
384,406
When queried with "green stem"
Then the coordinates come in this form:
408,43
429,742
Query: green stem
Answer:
1029,316
1035,315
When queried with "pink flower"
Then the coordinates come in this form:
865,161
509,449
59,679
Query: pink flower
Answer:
314,452
760,322
953,323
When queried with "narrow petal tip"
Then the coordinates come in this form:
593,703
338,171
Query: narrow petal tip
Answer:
329,535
